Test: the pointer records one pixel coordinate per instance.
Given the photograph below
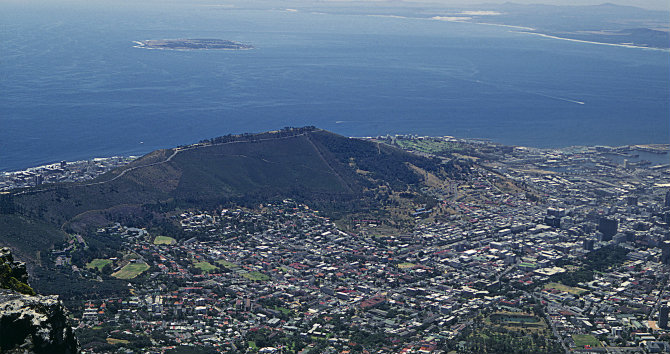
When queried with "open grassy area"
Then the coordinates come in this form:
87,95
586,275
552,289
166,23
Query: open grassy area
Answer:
131,270
98,263
256,276
117,341
585,339
517,319
164,240
227,264
283,310
430,146
568,289
206,267
406,265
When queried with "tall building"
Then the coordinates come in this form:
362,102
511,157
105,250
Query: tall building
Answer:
588,244
556,212
552,221
663,316
665,252
608,227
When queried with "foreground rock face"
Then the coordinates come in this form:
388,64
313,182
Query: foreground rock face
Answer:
14,269
32,324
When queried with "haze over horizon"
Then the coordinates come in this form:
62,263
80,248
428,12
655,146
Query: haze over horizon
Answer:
645,4
659,5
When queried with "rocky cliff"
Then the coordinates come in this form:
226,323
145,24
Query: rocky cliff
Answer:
30,323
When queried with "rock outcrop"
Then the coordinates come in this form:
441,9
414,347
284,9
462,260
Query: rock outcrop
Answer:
13,274
31,323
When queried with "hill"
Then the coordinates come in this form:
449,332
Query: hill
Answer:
333,173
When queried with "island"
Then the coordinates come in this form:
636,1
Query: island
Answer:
192,44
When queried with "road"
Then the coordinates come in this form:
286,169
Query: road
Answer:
661,296
551,325
504,272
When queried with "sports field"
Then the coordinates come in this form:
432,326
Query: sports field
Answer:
256,276
206,267
164,240
567,289
131,270
585,339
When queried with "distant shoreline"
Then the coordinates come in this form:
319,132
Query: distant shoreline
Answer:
594,42
524,30
660,149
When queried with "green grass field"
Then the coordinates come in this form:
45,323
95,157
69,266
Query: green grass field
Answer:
585,339
131,270
227,264
164,240
429,146
206,267
113,341
284,310
568,289
256,276
98,263
517,320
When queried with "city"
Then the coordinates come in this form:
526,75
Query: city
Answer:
541,250
61,172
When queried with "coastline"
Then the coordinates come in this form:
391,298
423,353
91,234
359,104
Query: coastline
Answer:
667,50
652,148
520,29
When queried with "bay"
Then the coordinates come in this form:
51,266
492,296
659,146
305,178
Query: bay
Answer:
72,85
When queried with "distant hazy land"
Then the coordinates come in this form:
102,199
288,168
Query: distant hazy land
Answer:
607,23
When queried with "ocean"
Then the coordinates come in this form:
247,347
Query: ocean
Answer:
72,85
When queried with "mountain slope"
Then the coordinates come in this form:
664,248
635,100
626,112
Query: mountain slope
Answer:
307,164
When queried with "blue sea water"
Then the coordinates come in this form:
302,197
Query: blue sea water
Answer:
72,86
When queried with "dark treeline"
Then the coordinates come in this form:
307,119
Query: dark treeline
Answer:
596,261
382,161
282,133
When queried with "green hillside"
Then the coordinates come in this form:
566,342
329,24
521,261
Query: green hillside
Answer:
27,237
307,163
331,172
272,167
